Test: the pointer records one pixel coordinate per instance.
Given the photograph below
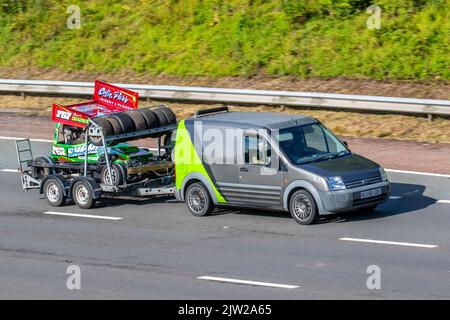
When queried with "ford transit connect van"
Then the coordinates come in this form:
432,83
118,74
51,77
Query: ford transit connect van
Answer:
271,161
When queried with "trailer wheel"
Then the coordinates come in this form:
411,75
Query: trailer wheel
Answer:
115,124
39,172
83,195
107,130
150,118
126,123
138,119
169,114
117,173
54,192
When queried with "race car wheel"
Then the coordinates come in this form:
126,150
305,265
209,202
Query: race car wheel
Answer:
138,119
303,208
126,123
40,172
83,195
115,124
150,118
107,130
198,200
54,192
162,119
117,173
169,114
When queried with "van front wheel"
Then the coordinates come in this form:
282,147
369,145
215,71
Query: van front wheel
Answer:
303,208
198,200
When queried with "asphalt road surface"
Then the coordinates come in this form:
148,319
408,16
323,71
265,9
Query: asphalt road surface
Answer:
155,249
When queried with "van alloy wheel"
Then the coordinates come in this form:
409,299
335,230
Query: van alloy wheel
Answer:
196,199
302,207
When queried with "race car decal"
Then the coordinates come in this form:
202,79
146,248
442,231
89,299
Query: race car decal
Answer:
69,116
112,96
58,151
78,151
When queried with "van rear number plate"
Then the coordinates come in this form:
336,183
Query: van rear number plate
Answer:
370,193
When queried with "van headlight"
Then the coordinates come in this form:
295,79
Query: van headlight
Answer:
336,183
383,174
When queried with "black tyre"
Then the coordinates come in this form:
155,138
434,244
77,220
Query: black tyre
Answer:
107,130
115,124
40,172
150,118
198,200
54,192
126,123
138,119
169,114
83,195
162,119
303,208
117,173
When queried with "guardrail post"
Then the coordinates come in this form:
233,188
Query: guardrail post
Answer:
430,117
22,94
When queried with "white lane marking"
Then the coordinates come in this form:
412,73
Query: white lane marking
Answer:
19,138
443,201
81,215
406,244
395,197
9,170
419,173
252,283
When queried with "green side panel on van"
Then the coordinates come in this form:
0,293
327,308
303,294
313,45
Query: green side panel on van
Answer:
188,161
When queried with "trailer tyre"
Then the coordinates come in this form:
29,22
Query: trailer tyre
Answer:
162,119
199,200
83,195
115,124
107,130
150,118
138,119
54,192
169,114
126,123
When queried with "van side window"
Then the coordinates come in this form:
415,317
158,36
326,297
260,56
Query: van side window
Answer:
257,150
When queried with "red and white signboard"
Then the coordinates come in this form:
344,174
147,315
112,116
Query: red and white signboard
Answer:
115,97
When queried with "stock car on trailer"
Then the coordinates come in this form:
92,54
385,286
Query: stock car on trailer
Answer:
90,156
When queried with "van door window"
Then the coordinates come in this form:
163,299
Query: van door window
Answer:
257,150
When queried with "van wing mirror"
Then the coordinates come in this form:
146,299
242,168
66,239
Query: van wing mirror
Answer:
345,143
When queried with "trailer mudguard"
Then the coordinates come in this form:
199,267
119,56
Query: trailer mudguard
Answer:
95,188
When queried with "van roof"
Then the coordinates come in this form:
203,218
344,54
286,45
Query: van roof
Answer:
269,120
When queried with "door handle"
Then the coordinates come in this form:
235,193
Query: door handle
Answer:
243,169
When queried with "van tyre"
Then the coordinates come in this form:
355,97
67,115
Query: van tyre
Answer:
199,200
126,123
83,195
138,120
150,118
107,130
54,192
303,208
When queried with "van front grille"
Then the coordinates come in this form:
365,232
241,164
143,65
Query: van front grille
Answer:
362,182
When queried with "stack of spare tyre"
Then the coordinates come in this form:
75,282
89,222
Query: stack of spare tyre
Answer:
134,120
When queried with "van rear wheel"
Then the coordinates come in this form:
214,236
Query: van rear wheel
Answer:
198,200
303,208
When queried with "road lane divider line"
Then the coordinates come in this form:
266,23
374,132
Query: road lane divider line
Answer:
81,215
19,138
443,201
419,173
406,244
395,197
248,282
9,170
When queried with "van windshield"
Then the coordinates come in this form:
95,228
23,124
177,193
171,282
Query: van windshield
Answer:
310,143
